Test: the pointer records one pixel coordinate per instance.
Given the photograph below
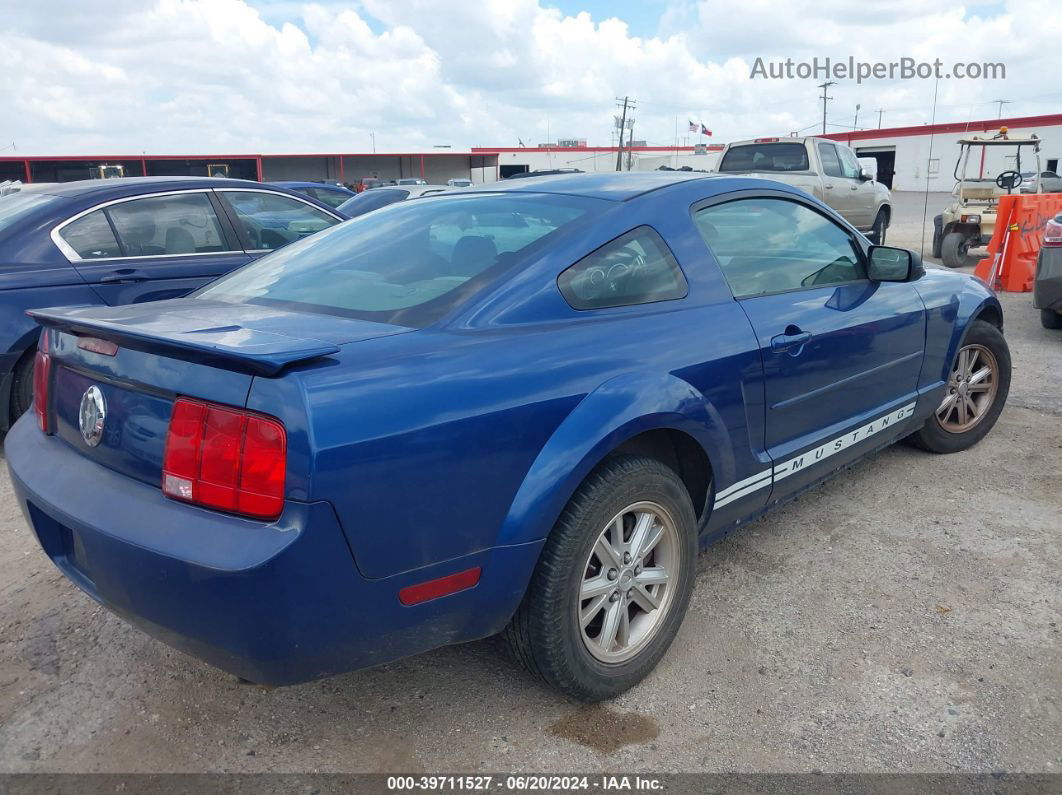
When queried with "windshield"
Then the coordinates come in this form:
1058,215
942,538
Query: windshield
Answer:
16,206
765,157
407,264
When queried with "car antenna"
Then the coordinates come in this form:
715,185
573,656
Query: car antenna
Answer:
925,205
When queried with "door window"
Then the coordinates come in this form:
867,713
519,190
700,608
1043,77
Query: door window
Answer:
831,164
635,268
271,221
849,162
91,237
160,226
766,245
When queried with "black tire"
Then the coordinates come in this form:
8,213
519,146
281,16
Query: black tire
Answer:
881,223
932,436
954,250
1051,319
22,387
544,634
938,234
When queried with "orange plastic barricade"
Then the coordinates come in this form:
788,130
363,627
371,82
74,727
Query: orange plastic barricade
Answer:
1011,262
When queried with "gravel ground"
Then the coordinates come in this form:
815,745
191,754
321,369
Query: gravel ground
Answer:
905,616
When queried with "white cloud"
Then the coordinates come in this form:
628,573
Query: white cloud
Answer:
197,76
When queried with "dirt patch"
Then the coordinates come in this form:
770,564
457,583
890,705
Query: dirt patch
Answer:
605,730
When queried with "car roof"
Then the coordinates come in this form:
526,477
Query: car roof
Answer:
296,183
129,186
611,185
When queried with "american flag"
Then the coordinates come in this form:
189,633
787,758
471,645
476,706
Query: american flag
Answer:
693,127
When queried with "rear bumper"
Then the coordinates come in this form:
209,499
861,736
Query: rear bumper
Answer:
276,604
1047,286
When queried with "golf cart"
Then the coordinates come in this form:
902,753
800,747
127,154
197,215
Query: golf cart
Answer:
970,221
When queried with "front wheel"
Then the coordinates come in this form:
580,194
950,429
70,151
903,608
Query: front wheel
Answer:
612,584
976,391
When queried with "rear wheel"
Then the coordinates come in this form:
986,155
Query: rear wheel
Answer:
955,250
613,582
1049,318
976,391
22,387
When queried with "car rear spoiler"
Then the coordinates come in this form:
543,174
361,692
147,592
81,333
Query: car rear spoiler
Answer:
231,347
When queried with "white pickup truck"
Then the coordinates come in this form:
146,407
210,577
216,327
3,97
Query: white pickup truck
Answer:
826,169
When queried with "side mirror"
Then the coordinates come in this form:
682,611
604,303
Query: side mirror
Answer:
865,175
888,264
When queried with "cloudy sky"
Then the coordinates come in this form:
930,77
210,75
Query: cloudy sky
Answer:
236,76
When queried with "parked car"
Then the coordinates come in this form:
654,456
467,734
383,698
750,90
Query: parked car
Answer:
128,240
1047,284
828,170
545,172
325,192
518,410
367,183
411,181
1030,183
381,197
459,183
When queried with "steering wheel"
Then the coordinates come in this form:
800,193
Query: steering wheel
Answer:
1009,180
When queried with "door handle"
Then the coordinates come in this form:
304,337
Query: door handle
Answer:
130,275
792,338
828,186
855,187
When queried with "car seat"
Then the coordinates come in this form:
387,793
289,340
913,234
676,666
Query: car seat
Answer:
179,241
472,255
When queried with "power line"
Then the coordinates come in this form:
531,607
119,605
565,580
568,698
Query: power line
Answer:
1001,102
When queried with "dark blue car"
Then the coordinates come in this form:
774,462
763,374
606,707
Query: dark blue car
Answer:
325,192
520,409
123,241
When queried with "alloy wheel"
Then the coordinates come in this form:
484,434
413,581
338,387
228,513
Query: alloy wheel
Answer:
971,389
626,589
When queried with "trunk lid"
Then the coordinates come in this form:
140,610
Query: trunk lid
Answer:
202,349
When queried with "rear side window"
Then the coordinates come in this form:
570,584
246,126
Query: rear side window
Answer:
158,226
831,164
271,221
765,157
635,268
91,237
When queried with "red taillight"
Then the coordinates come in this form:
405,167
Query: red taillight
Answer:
225,458
42,368
1053,232
766,140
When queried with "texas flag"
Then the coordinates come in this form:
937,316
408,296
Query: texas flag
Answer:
705,130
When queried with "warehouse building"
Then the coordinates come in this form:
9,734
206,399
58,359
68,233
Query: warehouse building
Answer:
912,158
908,158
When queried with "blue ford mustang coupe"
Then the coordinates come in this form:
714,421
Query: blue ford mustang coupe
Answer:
520,409
123,241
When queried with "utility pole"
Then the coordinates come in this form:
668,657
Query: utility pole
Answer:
630,146
1001,102
880,112
627,103
825,99
855,121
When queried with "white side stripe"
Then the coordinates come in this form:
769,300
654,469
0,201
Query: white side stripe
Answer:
763,479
